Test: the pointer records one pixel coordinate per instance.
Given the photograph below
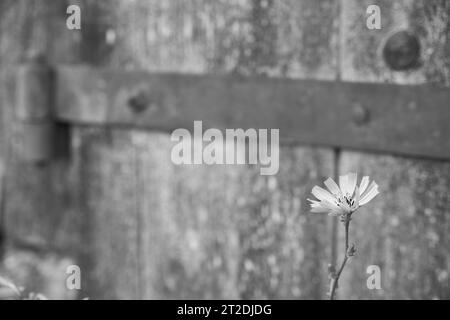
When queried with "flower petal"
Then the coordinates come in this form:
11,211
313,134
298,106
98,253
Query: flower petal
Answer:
332,186
351,181
370,187
371,192
363,185
322,194
343,183
314,203
323,206
356,198
369,197
329,205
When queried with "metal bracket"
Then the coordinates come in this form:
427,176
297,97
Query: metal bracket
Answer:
408,120
33,115
38,137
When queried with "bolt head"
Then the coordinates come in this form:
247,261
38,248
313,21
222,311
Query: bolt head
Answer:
139,102
402,51
360,115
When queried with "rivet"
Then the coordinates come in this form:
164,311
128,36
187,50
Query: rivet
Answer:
139,102
360,115
402,51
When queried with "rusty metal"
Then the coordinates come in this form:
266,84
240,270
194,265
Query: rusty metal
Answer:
402,51
34,124
139,102
361,115
407,120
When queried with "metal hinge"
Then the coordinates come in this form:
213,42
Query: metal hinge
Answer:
410,120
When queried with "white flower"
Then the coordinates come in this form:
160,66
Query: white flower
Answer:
345,198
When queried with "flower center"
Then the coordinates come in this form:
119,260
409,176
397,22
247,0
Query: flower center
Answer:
347,199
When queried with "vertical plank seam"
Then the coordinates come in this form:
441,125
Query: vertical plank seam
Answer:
339,47
139,219
334,221
2,214
337,151
3,162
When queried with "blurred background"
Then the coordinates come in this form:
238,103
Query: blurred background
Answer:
140,227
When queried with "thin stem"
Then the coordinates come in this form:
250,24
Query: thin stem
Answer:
335,277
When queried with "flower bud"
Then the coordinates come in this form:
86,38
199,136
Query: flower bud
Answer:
351,250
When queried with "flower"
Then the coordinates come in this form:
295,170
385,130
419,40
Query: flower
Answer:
343,199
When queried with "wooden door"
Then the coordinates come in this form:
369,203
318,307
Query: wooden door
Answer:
141,227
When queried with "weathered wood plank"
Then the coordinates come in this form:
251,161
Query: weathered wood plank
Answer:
39,218
229,233
284,249
197,242
226,232
151,230
405,230
45,208
107,182
174,254
189,235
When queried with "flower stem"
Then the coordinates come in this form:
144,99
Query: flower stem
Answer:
335,277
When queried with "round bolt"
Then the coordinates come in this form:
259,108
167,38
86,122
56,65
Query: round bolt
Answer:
360,115
402,51
139,102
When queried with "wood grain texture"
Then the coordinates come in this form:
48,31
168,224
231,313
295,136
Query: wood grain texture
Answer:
285,249
280,247
405,229
242,236
189,238
143,228
199,236
41,205
105,161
